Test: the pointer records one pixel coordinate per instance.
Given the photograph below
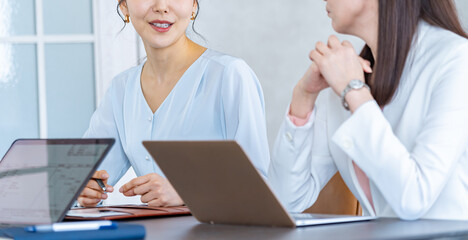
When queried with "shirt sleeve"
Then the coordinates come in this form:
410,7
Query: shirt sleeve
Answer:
103,124
301,164
244,113
411,179
299,122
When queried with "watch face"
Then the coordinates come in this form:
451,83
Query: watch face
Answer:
356,84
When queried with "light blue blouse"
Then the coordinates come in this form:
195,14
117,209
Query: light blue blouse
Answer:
218,98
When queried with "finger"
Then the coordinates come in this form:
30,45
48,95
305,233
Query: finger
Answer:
109,188
322,48
150,196
101,175
129,193
145,188
333,42
91,193
316,57
93,185
347,43
314,68
365,65
88,202
156,203
349,47
134,182
365,61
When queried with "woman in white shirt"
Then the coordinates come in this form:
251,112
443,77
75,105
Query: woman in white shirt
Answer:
182,92
402,148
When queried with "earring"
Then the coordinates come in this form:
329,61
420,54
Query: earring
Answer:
193,16
127,19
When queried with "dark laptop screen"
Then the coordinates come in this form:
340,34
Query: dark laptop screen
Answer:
40,179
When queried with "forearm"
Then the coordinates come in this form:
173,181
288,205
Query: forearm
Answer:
357,98
289,172
409,179
300,163
302,102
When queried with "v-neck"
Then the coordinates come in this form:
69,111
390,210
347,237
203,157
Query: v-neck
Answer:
179,82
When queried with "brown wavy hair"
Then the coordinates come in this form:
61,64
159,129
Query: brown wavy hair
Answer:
398,22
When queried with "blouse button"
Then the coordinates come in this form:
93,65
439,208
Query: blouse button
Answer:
289,136
150,118
147,158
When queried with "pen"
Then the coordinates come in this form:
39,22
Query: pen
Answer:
100,183
72,226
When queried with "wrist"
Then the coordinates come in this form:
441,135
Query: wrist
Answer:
302,102
356,98
353,85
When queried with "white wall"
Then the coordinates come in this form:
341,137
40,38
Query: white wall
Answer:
274,37
463,11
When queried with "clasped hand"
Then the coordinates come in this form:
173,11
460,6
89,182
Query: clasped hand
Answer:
335,64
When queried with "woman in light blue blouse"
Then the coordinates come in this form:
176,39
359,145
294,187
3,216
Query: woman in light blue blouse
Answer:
182,92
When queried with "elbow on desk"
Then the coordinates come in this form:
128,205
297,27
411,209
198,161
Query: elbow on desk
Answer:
410,211
292,202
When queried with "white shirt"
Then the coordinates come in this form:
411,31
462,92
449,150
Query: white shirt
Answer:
415,151
219,97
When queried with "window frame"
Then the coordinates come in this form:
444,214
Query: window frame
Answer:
120,59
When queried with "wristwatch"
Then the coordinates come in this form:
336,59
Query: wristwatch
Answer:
355,84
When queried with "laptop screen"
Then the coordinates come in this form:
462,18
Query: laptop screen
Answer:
40,179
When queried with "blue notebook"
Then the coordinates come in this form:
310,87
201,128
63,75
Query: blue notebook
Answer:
123,231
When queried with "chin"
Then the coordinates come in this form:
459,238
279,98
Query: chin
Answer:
338,28
161,43
335,26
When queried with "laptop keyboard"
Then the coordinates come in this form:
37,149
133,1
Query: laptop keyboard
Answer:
303,216
300,216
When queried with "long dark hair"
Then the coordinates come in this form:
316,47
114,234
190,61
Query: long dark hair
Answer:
193,25
398,22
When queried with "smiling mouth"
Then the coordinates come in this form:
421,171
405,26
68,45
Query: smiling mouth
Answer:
161,25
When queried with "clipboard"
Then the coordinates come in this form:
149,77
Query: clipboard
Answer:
124,212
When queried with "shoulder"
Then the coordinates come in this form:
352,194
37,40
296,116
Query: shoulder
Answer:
124,79
440,45
233,75
224,62
230,73
440,60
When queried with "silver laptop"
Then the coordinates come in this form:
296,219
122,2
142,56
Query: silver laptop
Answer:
40,179
219,184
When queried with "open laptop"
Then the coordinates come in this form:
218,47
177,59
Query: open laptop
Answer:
219,184
40,179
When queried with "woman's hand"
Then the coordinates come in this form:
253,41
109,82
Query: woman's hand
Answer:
93,193
306,92
338,63
319,77
154,190
312,82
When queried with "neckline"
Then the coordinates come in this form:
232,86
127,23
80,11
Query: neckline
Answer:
179,82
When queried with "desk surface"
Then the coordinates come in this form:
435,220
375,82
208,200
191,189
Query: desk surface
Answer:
187,228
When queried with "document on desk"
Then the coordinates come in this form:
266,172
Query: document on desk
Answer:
94,213
124,212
